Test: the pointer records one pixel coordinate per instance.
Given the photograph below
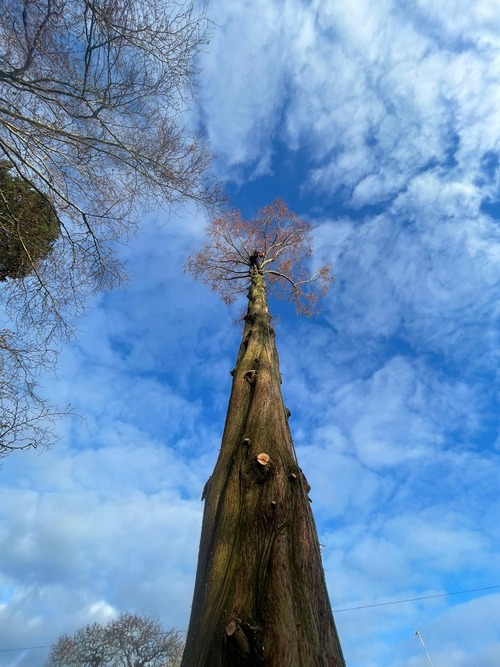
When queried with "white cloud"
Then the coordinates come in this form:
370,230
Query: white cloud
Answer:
425,270
106,530
109,519
375,93
243,94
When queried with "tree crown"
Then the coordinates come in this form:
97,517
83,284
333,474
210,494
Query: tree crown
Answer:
128,641
276,243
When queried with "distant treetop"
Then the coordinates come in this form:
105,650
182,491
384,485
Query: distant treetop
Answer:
127,641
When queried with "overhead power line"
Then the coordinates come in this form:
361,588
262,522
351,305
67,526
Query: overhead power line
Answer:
24,648
365,606
426,597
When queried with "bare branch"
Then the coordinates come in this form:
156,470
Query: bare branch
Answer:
93,105
276,243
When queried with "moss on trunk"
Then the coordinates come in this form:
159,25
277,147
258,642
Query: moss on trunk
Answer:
260,595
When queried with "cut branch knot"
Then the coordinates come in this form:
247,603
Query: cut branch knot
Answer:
238,638
263,459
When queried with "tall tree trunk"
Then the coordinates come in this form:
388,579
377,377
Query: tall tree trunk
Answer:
260,596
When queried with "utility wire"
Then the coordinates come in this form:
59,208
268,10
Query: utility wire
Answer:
426,597
24,648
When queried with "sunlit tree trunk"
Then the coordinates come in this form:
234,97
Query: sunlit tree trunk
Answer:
260,595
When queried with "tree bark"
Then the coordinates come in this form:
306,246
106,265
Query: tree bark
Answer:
260,596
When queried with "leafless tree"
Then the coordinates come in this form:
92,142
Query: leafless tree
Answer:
95,100
128,641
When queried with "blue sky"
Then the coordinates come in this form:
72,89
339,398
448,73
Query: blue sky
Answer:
379,122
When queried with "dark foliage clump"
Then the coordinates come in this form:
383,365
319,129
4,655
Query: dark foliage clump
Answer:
29,225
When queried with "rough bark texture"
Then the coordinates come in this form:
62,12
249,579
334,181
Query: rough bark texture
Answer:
260,596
